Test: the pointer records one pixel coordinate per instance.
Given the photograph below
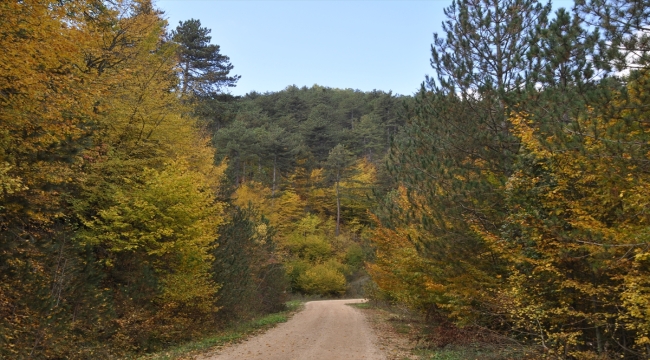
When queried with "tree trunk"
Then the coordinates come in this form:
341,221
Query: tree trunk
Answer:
186,75
275,159
338,205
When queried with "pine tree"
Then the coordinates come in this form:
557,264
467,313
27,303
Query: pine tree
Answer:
457,149
278,149
338,162
204,70
368,134
625,27
246,265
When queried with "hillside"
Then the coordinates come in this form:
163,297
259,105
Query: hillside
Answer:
308,160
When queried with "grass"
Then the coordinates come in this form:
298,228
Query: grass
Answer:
363,305
229,335
468,352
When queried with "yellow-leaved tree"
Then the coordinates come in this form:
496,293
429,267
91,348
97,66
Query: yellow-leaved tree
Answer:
577,235
148,198
107,188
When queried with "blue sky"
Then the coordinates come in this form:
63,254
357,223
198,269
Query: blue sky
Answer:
362,44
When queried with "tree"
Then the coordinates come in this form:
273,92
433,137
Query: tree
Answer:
241,145
108,207
624,25
576,235
247,265
368,133
521,195
338,163
486,45
358,187
457,149
204,70
314,261
283,141
279,147
319,132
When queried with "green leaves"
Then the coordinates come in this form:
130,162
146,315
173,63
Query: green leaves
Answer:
520,172
107,189
338,162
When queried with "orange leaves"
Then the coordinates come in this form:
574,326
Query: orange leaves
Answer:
107,190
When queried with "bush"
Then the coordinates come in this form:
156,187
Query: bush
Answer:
322,279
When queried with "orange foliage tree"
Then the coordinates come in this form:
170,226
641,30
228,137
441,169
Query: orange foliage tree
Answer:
107,207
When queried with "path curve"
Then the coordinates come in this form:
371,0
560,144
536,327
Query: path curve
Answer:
326,329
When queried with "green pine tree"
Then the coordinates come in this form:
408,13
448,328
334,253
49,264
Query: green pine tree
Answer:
204,70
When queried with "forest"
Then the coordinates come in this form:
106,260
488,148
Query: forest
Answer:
142,205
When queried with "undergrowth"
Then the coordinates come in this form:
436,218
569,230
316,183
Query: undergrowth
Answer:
444,341
476,351
230,334
363,305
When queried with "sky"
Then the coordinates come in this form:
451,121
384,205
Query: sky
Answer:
365,45
359,44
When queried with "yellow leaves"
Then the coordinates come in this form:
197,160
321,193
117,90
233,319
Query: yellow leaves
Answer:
170,212
317,175
323,279
44,102
282,210
261,231
255,193
642,256
170,217
190,286
364,173
636,299
8,184
643,340
524,129
433,287
97,155
401,272
582,221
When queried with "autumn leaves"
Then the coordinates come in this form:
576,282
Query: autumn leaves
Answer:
522,198
108,190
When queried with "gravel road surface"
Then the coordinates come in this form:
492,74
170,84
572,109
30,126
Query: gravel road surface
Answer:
328,330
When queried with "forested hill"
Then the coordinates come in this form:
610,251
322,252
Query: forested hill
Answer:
263,134
304,163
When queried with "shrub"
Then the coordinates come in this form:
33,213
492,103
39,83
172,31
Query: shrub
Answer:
322,279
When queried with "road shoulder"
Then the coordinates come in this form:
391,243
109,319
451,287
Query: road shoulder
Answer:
394,333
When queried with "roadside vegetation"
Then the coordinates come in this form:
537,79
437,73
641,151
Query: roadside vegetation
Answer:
232,333
407,334
143,207
522,170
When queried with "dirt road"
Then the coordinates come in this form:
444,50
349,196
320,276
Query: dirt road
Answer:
327,330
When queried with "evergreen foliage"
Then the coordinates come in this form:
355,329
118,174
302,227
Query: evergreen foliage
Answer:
514,205
253,279
310,156
509,194
204,70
